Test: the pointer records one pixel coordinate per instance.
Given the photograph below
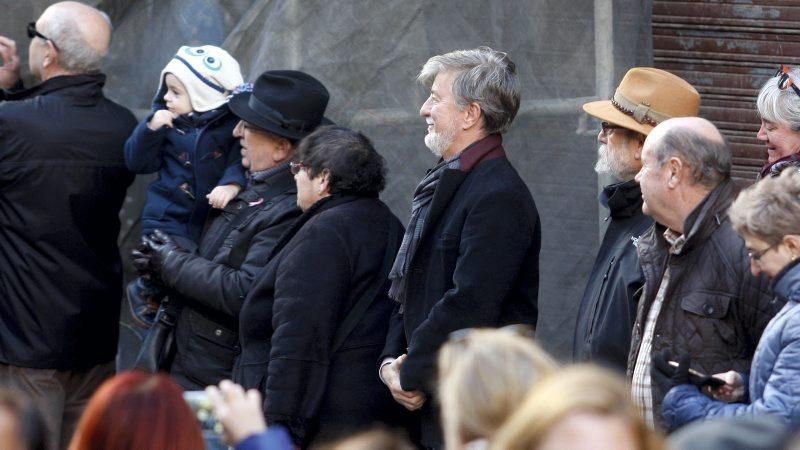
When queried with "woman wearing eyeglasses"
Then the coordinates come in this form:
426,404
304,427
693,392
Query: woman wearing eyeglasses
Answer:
318,375
779,107
767,216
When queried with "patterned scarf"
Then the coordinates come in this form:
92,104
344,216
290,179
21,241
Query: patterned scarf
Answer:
419,212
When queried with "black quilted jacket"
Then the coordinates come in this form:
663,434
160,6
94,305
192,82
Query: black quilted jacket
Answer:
714,308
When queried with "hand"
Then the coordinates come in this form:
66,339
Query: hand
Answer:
732,390
161,118
667,375
141,259
238,411
221,195
160,245
9,71
390,373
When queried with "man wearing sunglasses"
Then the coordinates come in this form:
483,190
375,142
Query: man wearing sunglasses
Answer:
62,182
645,96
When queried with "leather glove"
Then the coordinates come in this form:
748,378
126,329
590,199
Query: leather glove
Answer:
160,245
141,259
664,374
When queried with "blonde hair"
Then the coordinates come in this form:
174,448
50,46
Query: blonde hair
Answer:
582,388
482,378
769,209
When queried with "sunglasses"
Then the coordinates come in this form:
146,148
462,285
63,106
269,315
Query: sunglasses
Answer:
33,32
786,80
296,167
609,127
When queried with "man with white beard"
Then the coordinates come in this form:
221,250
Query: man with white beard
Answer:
470,255
644,98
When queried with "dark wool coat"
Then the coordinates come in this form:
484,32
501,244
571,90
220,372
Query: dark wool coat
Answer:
322,266
477,265
193,157
714,308
608,307
62,182
211,286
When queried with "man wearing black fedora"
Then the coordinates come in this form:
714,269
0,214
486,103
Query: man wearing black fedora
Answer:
210,285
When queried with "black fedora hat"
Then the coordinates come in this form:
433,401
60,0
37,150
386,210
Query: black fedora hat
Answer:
288,103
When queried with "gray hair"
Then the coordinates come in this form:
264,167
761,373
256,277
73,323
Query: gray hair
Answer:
781,106
75,55
769,209
483,76
709,159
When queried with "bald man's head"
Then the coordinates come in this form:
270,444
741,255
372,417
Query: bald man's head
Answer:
696,142
81,33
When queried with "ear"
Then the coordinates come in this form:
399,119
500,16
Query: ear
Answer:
792,242
676,172
472,115
324,183
50,56
283,151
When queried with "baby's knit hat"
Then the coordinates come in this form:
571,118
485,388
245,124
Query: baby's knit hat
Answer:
209,74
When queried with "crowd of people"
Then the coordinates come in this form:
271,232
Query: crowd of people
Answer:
267,258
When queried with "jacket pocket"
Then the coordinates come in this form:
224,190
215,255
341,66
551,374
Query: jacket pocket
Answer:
707,315
211,350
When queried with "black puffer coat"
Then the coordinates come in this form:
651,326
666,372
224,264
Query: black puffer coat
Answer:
322,266
608,307
212,285
62,182
714,308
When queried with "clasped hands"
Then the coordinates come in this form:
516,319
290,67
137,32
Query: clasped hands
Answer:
390,374
148,258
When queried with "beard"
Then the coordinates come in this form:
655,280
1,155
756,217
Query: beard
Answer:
610,162
439,141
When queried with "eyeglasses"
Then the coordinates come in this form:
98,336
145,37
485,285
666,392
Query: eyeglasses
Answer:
517,329
757,255
296,167
786,80
609,127
33,32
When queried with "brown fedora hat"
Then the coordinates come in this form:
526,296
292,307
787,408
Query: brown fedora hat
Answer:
646,97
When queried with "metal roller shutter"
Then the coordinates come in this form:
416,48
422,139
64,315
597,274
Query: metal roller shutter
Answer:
727,50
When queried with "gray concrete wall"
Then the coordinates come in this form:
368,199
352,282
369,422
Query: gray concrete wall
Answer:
368,54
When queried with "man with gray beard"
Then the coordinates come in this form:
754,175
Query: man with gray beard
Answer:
470,254
644,98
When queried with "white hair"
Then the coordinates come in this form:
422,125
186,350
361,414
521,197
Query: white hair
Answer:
781,106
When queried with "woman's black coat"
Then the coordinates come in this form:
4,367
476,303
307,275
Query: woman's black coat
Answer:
319,270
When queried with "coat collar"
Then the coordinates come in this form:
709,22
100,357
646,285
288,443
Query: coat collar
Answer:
87,88
787,283
622,199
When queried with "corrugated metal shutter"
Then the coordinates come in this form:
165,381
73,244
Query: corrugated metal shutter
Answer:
727,50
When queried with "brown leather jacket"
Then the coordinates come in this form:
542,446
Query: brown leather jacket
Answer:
714,308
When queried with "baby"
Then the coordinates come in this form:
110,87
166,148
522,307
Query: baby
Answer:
188,140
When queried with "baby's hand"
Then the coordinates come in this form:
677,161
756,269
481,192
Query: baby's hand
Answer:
221,195
160,118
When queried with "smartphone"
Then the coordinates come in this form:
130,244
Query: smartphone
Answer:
203,410
700,379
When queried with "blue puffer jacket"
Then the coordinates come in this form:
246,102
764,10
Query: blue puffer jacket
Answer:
774,384
192,158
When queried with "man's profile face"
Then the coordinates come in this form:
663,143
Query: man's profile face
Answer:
36,53
615,154
442,115
653,179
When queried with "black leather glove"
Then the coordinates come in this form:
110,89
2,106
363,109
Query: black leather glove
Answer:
160,245
141,259
667,375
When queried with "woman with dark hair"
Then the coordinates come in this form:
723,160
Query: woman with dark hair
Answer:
313,326
138,410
